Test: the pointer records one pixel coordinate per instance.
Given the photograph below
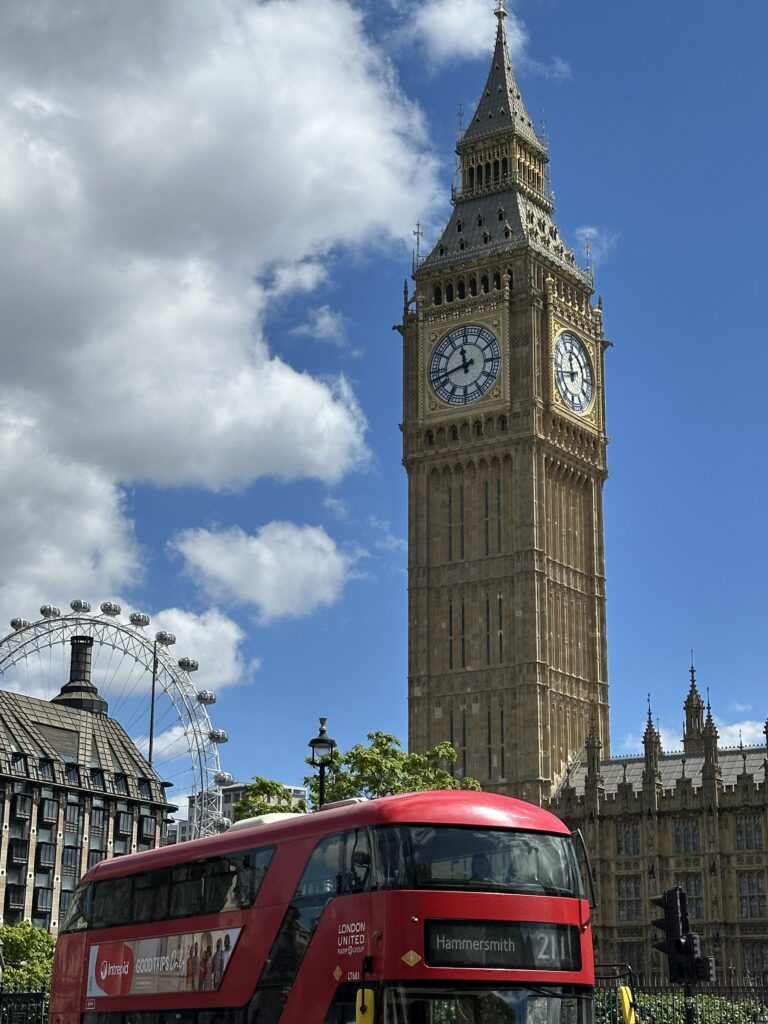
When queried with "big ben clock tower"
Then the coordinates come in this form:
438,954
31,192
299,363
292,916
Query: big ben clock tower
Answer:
505,450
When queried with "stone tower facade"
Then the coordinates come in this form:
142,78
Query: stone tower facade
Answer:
505,450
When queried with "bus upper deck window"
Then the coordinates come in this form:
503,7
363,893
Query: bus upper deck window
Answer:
78,915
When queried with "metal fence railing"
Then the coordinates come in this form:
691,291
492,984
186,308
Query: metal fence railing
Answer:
665,1004
23,1007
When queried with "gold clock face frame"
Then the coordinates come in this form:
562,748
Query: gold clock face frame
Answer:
574,372
465,364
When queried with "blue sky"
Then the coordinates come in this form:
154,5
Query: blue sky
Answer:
207,220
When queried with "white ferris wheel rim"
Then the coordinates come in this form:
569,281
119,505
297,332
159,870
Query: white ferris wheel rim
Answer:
132,641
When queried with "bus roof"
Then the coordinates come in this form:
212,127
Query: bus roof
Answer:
444,807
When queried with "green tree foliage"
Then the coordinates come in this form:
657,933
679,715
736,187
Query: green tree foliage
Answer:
265,796
28,956
383,768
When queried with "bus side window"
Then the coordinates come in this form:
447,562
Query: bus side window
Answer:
393,853
112,902
319,883
150,896
187,889
323,875
357,861
219,884
232,882
78,915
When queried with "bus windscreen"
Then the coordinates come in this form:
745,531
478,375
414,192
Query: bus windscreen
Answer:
446,857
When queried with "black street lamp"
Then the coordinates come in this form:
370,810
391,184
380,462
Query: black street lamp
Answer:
322,748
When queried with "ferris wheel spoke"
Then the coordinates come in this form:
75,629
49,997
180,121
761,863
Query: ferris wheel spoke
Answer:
35,659
109,663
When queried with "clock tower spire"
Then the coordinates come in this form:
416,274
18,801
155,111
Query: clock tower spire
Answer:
505,450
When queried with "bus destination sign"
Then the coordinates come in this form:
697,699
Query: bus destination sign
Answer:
510,945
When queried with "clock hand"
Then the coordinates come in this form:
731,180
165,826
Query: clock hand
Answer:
467,364
464,363
447,375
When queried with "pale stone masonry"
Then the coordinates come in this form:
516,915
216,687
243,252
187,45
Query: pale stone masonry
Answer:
505,450
504,444
695,818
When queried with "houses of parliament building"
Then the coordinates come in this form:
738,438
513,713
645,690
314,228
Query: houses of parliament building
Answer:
504,441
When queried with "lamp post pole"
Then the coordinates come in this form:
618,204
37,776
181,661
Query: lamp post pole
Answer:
322,748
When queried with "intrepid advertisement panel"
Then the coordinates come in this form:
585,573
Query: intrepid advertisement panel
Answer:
510,945
188,962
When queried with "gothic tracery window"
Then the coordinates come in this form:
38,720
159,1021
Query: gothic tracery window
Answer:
752,894
693,884
627,839
687,836
629,895
749,832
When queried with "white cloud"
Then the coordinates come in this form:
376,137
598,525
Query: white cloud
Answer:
283,569
170,744
325,324
747,732
556,68
385,539
336,506
303,276
447,30
729,735
596,243
671,739
64,532
165,173
450,29
213,640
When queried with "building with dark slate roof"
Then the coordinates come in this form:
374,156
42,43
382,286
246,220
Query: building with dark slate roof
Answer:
74,790
695,818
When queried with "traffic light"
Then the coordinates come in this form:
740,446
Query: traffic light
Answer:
692,946
704,968
674,925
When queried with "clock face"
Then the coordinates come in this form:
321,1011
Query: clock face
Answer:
465,364
573,372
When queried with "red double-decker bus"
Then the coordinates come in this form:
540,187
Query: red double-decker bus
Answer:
428,908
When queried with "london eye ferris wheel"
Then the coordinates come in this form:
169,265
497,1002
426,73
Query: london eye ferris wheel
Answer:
130,666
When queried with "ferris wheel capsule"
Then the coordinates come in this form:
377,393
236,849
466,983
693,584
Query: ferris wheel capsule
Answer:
165,638
188,665
138,619
206,697
223,824
125,644
223,778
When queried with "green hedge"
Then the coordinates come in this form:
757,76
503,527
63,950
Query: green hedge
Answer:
669,1008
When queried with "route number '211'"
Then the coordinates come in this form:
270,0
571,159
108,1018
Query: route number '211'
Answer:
552,947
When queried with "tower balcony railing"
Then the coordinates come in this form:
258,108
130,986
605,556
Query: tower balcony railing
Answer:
541,137
512,179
